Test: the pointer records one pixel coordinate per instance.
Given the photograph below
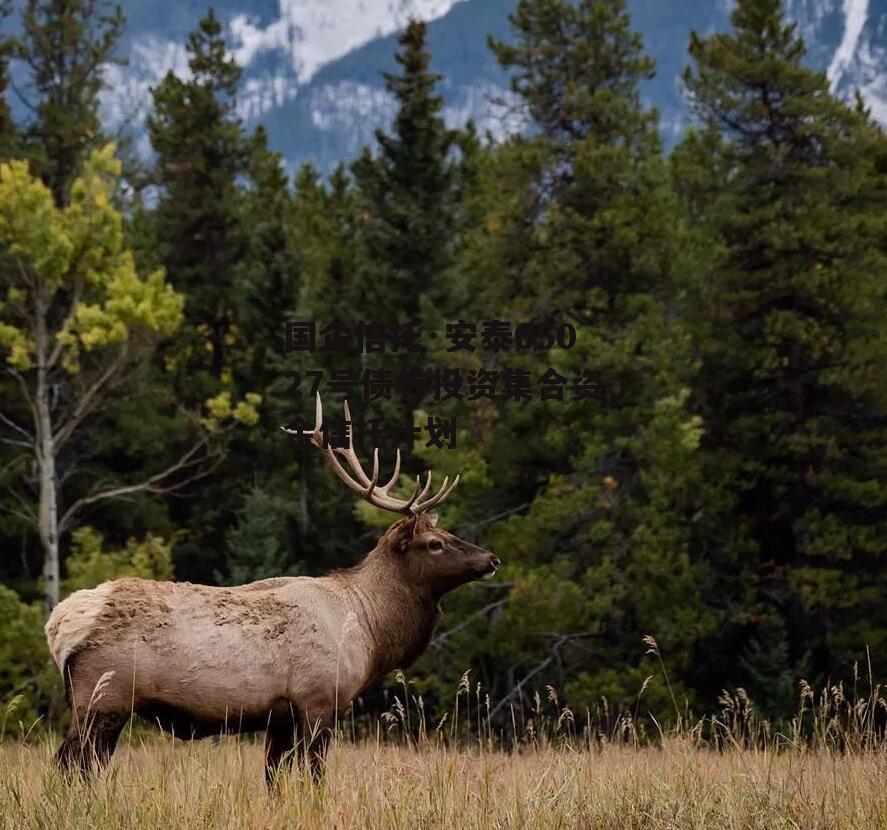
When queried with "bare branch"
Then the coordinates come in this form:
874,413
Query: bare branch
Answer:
27,513
558,644
13,443
152,484
498,516
20,430
90,399
29,519
68,473
20,95
437,642
25,393
520,684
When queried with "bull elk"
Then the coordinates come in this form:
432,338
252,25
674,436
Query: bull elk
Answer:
284,655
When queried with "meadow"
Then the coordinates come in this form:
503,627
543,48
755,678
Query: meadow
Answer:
166,783
824,769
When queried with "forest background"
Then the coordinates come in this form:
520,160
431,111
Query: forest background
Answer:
707,464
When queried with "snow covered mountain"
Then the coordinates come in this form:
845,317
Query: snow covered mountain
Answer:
312,67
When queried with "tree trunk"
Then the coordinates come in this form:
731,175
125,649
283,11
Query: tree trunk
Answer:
49,526
48,511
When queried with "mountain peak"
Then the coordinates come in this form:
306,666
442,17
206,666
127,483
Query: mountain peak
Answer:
312,68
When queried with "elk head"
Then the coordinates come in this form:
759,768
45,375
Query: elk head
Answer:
423,553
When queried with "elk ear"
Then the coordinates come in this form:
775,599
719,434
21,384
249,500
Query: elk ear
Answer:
407,532
432,518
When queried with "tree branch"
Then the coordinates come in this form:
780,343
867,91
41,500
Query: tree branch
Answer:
88,401
28,513
437,641
25,393
13,443
561,641
498,516
75,298
20,430
520,684
152,484
21,96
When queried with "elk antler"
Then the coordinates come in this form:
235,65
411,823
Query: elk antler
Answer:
365,486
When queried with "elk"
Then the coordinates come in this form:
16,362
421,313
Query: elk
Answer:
286,655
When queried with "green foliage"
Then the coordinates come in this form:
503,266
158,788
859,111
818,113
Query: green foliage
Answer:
75,316
772,674
25,667
80,246
221,231
724,486
65,47
577,65
408,190
257,546
201,150
577,224
788,324
90,563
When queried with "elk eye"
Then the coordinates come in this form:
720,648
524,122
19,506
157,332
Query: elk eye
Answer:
435,546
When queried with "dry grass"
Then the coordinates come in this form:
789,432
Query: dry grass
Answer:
822,768
165,783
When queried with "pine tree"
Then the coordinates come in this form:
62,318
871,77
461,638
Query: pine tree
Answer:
9,139
257,547
267,279
406,218
201,151
770,673
65,46
789,330
577,225
220,229
409,187
577,67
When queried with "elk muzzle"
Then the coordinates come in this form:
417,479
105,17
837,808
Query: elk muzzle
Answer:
491,563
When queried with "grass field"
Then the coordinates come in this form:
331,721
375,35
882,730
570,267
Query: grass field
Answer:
165,783
823,768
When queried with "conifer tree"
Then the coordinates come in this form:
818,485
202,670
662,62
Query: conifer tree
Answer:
409,186
221,230
8,131
579,226
789,331
406,218
65,46
201,151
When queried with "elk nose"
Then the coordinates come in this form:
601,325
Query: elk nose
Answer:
496,562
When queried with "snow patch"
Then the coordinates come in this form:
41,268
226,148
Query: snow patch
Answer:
855,13
871,79
493,109
314,32
258,96
352,109
126,97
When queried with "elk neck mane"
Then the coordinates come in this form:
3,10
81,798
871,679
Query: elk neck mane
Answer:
399,616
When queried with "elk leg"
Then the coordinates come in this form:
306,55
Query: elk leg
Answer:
105,733
70,757
280,743
96,743
317,753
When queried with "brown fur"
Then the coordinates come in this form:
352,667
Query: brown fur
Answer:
281,655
